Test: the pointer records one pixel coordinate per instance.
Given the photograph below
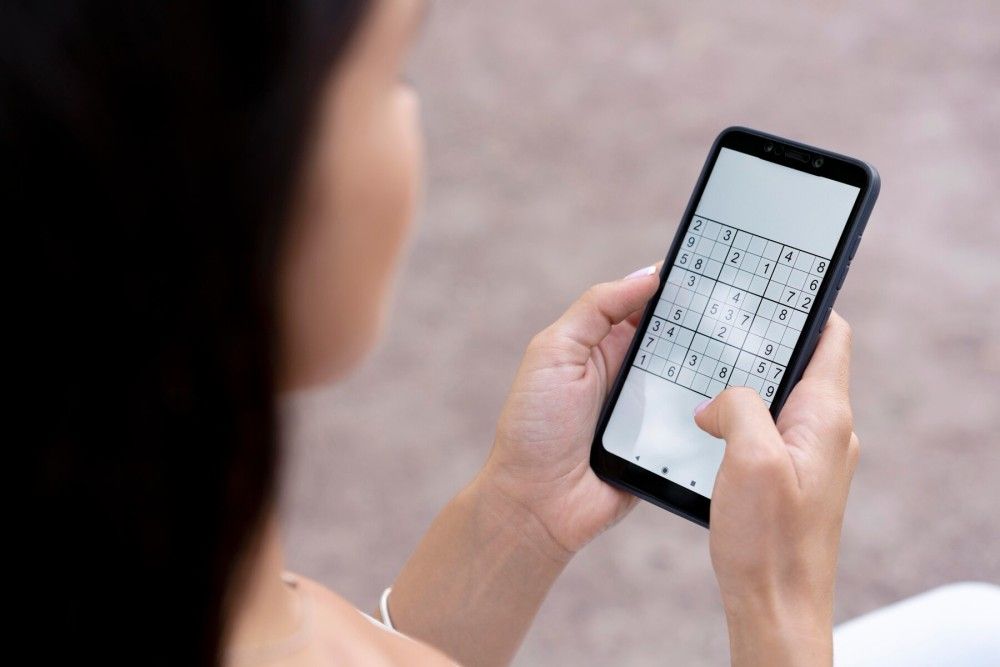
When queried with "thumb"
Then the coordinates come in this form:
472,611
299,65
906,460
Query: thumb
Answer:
740,417
589,320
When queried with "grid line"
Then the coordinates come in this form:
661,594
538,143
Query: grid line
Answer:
779,357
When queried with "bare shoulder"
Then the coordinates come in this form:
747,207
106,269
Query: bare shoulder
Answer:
343,636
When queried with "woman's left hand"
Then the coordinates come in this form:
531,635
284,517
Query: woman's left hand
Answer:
483,568
541,456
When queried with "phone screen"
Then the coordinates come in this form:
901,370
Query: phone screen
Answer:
746,276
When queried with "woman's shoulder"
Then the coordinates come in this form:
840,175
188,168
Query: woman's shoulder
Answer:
343,635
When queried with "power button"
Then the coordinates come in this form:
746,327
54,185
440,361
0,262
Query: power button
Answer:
854,247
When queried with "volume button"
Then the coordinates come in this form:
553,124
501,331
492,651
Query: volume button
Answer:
843,275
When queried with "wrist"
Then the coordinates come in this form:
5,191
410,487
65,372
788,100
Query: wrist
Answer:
771,629
477,578
514,517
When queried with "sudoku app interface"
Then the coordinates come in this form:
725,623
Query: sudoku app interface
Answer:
736,299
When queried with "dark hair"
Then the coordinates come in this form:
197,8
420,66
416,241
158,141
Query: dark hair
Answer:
149,153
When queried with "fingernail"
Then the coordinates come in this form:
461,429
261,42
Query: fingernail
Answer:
641,273
701,406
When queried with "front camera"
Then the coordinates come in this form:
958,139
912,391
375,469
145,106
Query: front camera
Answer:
818,162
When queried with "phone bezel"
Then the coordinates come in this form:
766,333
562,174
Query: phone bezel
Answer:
669,495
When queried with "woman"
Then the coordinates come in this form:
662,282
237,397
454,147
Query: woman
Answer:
217,199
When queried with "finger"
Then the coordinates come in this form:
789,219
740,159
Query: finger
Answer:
830,365
741,417
602,306
614,347
634,318
820,404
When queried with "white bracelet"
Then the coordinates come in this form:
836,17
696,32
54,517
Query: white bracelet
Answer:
383,608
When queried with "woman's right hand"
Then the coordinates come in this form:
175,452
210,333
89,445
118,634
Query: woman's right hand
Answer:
778,506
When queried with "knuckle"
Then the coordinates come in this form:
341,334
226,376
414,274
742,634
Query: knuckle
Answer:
592,293
853,450
841,414
834,417
848,332
735,395
838,321
844,420
542,339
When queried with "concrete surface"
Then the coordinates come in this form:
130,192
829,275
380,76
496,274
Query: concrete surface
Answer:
564,139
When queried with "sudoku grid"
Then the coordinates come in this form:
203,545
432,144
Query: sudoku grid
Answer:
731,311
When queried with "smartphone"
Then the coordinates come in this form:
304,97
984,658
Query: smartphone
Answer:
747,285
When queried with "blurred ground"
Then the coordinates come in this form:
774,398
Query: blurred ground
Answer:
564,140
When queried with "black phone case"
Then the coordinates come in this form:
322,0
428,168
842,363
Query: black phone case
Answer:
640,482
